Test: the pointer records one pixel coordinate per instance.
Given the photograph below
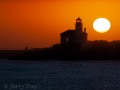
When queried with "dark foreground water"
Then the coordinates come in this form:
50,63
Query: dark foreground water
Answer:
59,75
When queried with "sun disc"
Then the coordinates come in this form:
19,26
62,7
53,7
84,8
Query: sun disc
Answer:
101,25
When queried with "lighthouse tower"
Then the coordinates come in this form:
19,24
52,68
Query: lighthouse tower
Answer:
80,34
76,37
78,25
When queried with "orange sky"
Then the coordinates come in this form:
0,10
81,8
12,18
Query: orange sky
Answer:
38,23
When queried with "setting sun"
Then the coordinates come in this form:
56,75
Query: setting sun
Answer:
101,25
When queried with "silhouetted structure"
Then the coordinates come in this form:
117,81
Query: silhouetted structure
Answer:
74,37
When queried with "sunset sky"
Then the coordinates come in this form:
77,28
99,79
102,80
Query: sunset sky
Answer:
38,23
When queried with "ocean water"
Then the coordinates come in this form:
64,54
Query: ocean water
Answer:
59,75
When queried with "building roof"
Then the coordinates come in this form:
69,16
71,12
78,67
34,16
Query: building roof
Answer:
68,32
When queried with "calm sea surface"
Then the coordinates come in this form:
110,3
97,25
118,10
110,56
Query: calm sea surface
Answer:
59,75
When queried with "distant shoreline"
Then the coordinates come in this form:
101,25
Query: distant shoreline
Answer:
92,50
